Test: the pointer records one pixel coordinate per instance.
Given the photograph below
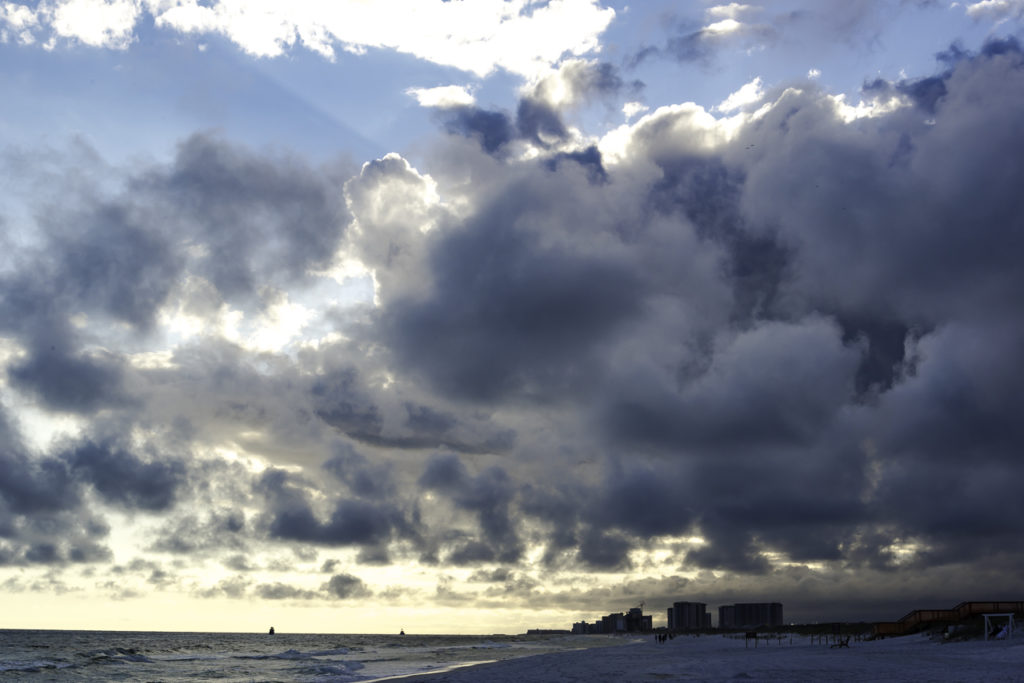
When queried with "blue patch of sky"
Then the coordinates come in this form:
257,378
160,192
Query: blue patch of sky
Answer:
167,85
891,40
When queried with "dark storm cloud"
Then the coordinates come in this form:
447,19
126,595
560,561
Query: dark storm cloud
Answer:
851,204
808,595
351,522
795,347
62,376
953,452
500,575
819,414
363,477
739,522
357,522
281,591
31,485
924,92
589,159
113,249
71,382
825,400
235,217
696,46
605,551
600,78
559,508
346,586
492,129
509,314
53,540
101,254
113,258
884,358
152,572
343,402
643,502
489,495
914,329
42,553
426,420
257,217
108,253
539,122
776,384
88,551
538,118
41,521
218,530
239,563
535,121
124,479
42,497
235,587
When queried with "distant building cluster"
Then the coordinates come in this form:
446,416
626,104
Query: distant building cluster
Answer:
688,616
750,615
633,621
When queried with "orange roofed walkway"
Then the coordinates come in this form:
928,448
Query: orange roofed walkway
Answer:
922,617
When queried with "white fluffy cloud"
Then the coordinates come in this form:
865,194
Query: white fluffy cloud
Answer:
17,22
730,11
723,26
631,109
100,23
17,16
97,23
749,94
995,9
443,96
524,37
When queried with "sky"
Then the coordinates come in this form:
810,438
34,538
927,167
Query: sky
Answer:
479,316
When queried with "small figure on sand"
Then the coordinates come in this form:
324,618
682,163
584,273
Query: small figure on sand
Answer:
271,630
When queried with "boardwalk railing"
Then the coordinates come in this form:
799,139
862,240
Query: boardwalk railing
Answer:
918,618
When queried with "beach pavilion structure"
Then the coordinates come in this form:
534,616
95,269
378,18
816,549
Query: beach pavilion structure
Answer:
990,625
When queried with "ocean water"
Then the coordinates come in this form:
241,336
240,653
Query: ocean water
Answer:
153,656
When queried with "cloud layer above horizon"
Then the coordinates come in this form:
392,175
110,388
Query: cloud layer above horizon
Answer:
768,351
478,37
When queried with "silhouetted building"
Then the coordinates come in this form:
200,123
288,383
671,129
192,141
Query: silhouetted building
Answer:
688,616
635,621
583,628
613,623
750,615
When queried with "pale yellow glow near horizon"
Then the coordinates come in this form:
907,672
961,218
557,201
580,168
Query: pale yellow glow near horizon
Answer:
404,596
171,611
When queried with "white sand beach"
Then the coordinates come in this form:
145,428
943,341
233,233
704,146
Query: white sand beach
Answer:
718,658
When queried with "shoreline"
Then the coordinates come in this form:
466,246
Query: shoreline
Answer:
717,658
483,664
443,670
